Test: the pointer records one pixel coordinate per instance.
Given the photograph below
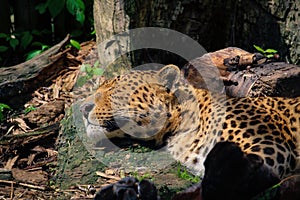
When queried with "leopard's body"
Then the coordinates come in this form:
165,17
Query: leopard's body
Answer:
155,106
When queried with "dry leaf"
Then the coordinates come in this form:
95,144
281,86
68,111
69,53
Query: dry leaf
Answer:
30,159
39,149
57,88
21,124
11,162
51,152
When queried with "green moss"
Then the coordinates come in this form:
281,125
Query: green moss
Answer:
75,163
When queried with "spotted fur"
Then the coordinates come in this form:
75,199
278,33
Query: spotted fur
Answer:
157,107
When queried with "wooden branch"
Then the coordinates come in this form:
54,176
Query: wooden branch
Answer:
16,81
27,185
108,176
30,137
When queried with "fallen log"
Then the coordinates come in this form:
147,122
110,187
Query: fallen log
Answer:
31,137
20,80
248,76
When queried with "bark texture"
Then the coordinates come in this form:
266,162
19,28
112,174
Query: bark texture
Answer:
242,78
214,24
110,19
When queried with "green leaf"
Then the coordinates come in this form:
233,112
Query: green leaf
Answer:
98,71
258,48
26,39
14,43
96,64
75,44
55,7
271,51
80,17
33,53
3,105
270,56
29,109
83,68
41,7
3,35
93,32
73,6
3,49
76,8
81,80
45,47
88,69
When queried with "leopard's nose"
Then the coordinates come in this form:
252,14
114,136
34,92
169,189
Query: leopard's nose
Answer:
86,108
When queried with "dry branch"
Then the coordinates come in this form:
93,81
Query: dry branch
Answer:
27,185
20,80
30,137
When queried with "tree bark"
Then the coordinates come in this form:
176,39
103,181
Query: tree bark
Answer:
244,78
214,24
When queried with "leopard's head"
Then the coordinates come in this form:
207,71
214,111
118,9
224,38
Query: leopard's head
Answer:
140,105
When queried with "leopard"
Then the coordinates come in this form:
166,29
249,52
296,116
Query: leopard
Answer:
202,130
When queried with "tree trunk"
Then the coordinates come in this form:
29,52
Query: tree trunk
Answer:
111,19
214,24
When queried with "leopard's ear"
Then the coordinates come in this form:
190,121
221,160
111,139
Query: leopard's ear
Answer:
169,75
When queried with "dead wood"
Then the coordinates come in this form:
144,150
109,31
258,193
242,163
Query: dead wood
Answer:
20,80
271,79
243,74
27,185
48,112
30,137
